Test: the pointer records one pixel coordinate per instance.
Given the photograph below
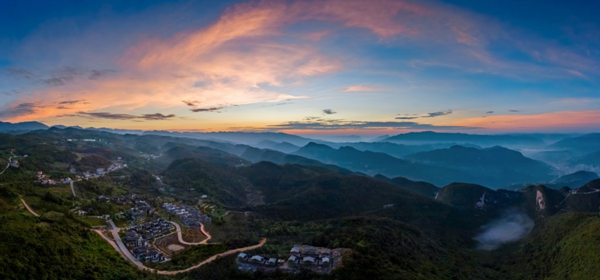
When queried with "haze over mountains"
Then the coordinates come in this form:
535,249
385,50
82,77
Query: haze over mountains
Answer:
439,158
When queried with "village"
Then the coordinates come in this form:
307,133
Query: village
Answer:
151,236
137,239
317,259
190,217
46,180
140,239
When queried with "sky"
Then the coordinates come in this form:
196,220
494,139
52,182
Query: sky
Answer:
334,67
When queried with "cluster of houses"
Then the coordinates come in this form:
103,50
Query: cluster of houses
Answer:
260,260
190,217
317,259
14,163
153,229
44,180
137,240
121,200
308,255
142,209
101,171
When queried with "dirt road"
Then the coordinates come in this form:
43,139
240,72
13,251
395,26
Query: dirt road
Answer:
120,247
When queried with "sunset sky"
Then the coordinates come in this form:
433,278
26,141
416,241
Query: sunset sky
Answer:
304,67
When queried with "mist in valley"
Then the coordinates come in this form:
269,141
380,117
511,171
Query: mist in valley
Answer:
511,227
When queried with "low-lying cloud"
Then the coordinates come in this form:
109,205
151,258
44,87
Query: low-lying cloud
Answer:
427,115
211,109
111,116
316,123
511,227
406,118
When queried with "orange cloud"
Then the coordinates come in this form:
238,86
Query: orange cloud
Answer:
562,119
230,61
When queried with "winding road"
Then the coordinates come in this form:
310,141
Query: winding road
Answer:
29,208
72,188
7,166
120,247
180,236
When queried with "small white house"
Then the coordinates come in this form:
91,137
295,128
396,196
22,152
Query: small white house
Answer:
308,260
257,259
293,260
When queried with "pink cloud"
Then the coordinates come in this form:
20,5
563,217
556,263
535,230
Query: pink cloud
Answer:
358,88
316,36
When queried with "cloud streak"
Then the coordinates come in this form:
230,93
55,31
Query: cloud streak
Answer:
438,114
211,109
361,88
111,116
316,123
428,115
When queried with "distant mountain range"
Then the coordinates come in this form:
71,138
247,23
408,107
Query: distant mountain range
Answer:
496,167
284,147
588,143
392,149
248,138
461,138
21,127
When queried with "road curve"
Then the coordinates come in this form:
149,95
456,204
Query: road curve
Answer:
121,248
180,235
211,259
7,166
29,208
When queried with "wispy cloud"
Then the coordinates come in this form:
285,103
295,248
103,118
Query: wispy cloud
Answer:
98,74
359,88
427,115
316,123
111,116
69,102
191,103
438,113
406,118
211,109
57,77
329,112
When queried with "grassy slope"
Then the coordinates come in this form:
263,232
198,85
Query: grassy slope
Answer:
566,246
58,247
